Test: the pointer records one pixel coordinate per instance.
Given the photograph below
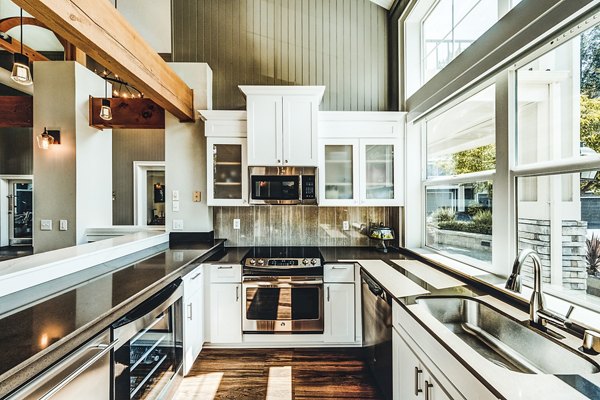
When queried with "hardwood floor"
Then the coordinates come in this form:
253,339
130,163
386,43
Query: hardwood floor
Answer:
278,374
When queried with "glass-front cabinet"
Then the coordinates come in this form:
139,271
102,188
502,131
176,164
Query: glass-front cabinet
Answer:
339,177
380,172
360,172
227,172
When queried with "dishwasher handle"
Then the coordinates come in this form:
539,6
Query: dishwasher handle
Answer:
149,305
373,286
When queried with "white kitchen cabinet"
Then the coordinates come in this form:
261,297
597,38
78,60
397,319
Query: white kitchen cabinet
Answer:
365,172
193,323
411,378
339,313
282,125
225,313
227,171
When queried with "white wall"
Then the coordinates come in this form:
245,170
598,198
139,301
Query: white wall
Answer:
185,154
73,180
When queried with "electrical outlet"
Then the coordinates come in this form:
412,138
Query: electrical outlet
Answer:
46,225
175,195
177,224
236,223
63,225
175,206
345,226
197,197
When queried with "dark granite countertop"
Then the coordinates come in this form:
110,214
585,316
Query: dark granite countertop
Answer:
38,335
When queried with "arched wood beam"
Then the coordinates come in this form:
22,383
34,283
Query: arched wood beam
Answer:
7,24
14,46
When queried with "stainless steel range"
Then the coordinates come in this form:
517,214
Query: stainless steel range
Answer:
283,290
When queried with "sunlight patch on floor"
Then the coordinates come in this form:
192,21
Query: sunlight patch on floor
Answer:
199,387
279,386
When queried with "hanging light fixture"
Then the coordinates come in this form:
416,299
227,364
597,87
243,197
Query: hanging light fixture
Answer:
48,138
105,111
20,70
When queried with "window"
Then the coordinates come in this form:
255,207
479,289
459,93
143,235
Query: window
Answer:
461,151
558,143
450,27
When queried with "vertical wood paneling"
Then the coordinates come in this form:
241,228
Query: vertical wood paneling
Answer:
16,151
341,44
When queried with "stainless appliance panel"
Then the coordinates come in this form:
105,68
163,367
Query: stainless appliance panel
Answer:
377,333
283,185
291,304
84,374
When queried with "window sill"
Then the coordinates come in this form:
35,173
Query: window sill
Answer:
557,298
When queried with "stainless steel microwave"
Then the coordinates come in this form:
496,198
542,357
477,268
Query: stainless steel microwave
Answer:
283,185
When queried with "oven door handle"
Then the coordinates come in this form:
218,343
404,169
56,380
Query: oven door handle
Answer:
281,284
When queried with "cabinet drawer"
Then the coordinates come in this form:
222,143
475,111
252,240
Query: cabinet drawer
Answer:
226,273
338,273
193,281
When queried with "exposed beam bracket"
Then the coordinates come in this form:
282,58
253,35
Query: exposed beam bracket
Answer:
128,114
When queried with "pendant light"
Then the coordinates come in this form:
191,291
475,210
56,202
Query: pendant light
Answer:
44,140
105,111
20,70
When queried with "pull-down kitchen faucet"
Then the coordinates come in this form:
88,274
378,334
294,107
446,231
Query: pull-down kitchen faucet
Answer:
538,314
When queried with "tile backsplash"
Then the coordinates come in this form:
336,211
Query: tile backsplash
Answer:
301,225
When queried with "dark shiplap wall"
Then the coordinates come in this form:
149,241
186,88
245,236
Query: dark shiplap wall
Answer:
16,151
342,44
131,145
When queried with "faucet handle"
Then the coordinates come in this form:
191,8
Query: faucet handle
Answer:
591,342
568,314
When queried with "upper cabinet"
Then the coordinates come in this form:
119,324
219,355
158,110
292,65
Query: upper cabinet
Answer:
283,124
227,168
361,158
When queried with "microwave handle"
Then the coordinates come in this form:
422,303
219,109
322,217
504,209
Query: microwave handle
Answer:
149,305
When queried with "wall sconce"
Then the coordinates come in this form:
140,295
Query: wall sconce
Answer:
20,70
47,138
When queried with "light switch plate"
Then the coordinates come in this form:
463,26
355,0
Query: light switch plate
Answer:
197,197
63,225
236,223
175,195
177,224
46,225
345,226
175,206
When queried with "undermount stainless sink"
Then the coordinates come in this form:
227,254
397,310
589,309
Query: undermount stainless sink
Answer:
503,340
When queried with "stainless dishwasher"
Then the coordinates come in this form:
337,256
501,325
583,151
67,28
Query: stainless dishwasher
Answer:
377,333
85,374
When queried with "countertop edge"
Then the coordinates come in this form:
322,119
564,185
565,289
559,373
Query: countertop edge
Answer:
32,367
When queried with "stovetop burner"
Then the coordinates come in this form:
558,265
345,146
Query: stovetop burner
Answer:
290,260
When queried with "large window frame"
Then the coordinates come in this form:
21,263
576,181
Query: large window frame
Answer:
505,176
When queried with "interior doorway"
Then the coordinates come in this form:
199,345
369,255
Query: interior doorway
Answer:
16,211
149,193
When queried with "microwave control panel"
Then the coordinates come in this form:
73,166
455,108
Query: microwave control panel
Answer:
308,187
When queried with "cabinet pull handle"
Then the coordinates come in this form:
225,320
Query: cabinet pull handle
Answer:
225,267
278,161
190,311
197,275
339,267
428,387
328,296
417,388
237,293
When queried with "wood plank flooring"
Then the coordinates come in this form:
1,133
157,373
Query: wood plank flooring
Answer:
278,374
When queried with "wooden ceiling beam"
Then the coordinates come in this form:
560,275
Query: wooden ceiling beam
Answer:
99,30
16,111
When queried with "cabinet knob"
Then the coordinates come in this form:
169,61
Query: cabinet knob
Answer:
286,161
278,161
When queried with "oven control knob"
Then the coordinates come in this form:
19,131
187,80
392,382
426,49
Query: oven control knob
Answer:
305,261
252,261
260,261
313,261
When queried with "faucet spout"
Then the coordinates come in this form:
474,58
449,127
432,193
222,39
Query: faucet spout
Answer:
536,304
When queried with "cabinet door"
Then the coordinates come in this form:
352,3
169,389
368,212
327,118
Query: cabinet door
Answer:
339,313
193,323
338,172
300,120
265,127
380,172
228,172
225,313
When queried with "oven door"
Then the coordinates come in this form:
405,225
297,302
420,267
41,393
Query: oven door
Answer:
291,304
275,189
